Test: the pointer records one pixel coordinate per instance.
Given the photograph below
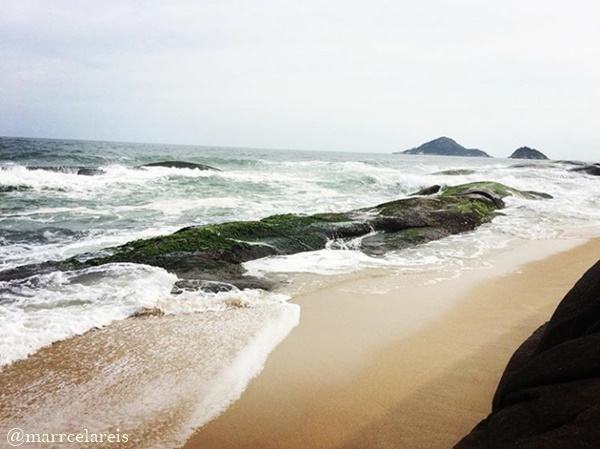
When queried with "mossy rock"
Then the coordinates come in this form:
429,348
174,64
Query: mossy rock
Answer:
495,188
381,243
484,211
216,252
238,242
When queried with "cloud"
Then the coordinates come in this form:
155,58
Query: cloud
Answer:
347,75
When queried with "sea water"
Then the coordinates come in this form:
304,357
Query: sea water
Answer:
55,213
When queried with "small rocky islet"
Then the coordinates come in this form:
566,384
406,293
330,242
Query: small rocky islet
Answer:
211,256
528,153
444,146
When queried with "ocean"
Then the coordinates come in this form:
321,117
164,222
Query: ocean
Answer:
54,213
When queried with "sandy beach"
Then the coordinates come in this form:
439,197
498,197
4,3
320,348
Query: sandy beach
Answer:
379,359
413,367
299,225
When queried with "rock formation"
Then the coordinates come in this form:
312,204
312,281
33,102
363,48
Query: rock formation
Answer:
527,153
444,146
549,395
179,164
215,253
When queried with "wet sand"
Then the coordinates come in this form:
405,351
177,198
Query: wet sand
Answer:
412,366
153,378
379,359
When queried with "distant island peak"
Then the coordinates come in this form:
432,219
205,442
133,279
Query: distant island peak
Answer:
445,146
527,153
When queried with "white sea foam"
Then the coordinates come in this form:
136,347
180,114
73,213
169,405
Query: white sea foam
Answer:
57,247
168,198
41,309
125,203
232,381
113,175
182,371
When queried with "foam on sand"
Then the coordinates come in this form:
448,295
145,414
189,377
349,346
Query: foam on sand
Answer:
42,309
154,378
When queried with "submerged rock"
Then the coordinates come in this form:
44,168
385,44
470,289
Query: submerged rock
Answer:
455,172
179,164
193,285
549,395
593,169
527,153
216,252
14,188
87,171
73,170
566,162
148,311
532,165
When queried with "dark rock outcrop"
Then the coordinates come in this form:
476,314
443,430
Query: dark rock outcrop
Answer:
455,172
444,146
73,170
216,252
179,164
14,188
494,188
533,165
431,190
88,171
567,162
549,395
147,312
527,153
593,169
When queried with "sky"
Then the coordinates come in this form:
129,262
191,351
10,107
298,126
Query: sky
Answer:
345,75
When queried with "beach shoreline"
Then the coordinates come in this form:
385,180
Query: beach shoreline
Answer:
380,358
418,372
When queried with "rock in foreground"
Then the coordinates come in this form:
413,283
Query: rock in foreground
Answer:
549,395
444,146
527,153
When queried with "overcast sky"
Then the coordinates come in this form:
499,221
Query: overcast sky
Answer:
325,75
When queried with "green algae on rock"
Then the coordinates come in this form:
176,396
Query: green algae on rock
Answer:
495,188
216,252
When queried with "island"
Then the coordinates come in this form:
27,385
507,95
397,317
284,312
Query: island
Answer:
444,146
527,153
